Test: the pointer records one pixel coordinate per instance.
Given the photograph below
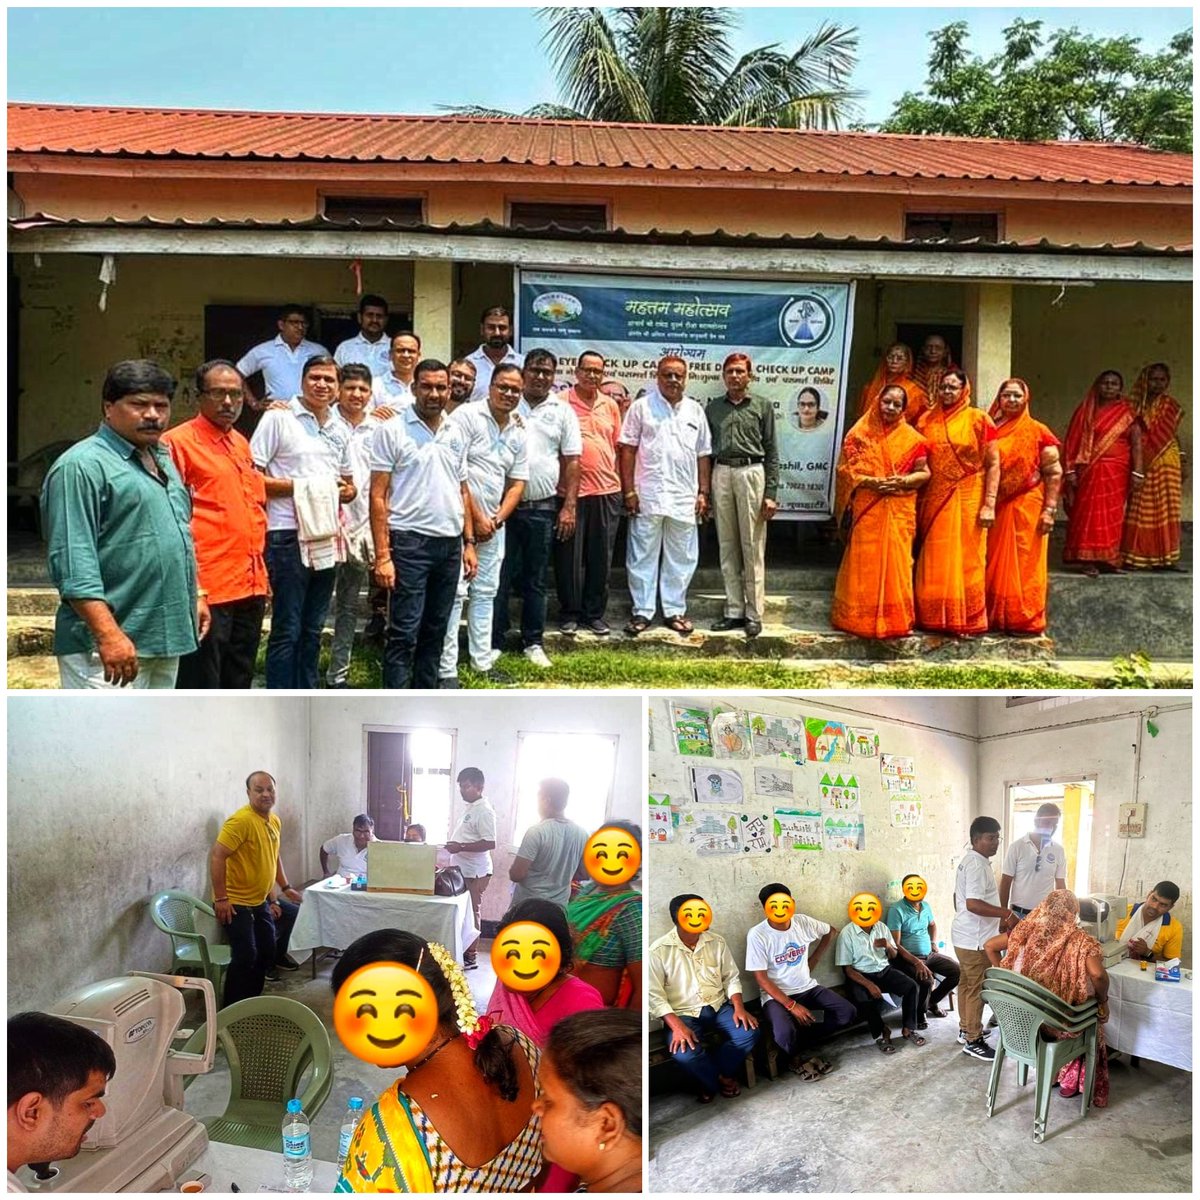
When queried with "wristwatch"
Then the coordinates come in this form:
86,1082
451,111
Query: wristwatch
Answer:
469,541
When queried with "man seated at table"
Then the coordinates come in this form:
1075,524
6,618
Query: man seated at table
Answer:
350,849
694,988
415,833
1150,932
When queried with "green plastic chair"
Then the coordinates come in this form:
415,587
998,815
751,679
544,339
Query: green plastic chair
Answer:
1022,1008
269,1042
174,913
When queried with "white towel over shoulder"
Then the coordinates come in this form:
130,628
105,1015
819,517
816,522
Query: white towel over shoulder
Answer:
319,521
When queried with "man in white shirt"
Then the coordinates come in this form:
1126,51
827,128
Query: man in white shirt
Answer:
665,460
391,389
777,951
472,843
694,987
369,345
495,327
58,1072
978,916
554,445
420,518
281,360
303,440
497,468
350,849
1034,866
462,383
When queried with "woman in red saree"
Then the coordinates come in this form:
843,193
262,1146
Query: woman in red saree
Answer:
882,464
1103,464
895,369
1152,522
956,510
1026,501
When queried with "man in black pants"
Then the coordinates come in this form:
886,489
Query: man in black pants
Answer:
915,933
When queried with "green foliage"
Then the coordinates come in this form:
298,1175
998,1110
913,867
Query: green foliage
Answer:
1069,85
1132,671
675,66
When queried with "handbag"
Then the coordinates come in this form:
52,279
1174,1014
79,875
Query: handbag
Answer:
449,881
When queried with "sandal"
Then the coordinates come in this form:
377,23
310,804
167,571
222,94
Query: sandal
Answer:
806,1070
914,1037
637,625
885,1044
823,1067
680,624
729,1088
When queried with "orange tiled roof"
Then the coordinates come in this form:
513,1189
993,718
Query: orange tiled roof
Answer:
342,137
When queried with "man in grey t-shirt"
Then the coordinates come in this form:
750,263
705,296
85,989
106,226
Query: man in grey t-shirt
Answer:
551,852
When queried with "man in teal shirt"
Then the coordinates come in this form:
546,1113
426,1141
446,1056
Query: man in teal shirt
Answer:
119,543
915,932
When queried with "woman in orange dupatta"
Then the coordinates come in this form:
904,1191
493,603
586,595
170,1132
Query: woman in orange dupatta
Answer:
934,361
895,369
880,468
1027,499
957,508
1152,522
1103,464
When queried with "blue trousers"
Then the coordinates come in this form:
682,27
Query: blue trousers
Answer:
530,535
256,942
299,603
792,1037
729,1055
427,570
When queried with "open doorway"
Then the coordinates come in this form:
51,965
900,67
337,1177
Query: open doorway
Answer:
1076,797
409,781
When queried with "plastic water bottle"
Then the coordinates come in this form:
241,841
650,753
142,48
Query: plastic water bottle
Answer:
297,1149
349,1125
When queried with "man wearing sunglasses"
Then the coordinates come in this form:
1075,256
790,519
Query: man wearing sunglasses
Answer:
1034,866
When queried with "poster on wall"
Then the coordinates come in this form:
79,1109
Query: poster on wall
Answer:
756,834
782,737
864,743
730,734
659,825
711,831
776,782
839,794
690,730
827,741
797,829
845,831
905,813
796,332
897,773
715,785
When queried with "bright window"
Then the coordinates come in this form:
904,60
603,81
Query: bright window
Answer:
432,752
587,761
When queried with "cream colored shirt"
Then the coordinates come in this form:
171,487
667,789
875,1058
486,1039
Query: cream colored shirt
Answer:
684,981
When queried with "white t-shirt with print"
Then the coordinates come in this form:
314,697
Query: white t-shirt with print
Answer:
783,953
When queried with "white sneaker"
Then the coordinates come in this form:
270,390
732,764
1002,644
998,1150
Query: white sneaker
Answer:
537,656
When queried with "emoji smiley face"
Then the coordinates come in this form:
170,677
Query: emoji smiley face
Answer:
779,907
612,856
865,910
694,916
914,888
526,956
385,1014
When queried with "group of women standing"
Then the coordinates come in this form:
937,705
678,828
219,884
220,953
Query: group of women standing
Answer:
946,509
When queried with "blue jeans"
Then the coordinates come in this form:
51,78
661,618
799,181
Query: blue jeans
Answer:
530,533
427,570
729,1056
299,604
256,942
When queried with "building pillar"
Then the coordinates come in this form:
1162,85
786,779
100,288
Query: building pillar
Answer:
987,338
433,307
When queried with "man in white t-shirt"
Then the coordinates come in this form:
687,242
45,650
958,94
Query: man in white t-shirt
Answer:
778,952
1034,866
978,915
371,344
472,842
350,849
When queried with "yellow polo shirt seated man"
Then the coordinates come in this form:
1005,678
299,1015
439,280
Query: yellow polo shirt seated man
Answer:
1150,932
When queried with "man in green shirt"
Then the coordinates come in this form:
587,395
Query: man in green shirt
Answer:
745,483
119,543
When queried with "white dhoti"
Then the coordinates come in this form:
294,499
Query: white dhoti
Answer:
662,557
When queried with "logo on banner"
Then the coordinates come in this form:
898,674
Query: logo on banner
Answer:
806,321
557,307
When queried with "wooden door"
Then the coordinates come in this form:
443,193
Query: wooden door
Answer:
389,784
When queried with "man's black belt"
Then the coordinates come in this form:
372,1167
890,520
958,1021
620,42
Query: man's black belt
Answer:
550,502
739,462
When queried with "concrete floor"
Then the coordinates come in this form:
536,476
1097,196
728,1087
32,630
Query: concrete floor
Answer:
916,1121
351,1076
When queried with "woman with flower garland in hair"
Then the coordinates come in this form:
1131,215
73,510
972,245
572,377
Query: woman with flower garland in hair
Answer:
462,1118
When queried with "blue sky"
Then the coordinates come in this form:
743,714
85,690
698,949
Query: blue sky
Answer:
409,60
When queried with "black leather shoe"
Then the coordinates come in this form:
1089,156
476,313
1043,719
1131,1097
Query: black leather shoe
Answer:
722,624
753,629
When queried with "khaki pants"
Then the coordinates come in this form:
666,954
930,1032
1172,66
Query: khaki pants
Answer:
475,887
742,534
973,964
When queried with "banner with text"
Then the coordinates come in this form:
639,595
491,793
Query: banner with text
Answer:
796,333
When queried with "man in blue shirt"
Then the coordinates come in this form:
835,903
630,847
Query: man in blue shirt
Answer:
915,933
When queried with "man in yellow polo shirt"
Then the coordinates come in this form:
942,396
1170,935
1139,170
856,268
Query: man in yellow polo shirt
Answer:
1150,932
245,869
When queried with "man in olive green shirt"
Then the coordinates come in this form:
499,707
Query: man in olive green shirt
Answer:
119,543
745,483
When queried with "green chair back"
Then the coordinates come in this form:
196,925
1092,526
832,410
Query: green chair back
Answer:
174,912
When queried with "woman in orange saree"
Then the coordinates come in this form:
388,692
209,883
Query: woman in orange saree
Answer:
1026,501
881,466
1103,454
956,510
933,362
1152,522
895,368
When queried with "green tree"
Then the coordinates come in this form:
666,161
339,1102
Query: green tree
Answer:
1073,86
675,66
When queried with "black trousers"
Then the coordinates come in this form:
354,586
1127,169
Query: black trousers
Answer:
939,964
427,570
225,659
895,983
581,564
257,941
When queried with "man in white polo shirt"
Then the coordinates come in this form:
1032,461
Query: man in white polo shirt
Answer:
1034,866
495,327
299,441
497,468
978,915
391,389
420,520
666,461
350,849
554,446
369,345
282,359
472,843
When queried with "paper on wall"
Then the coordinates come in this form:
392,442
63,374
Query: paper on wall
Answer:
840,793
730,734
772,736
905,813
864,743
716,785
756,834
897,773
689,727
827,741
844,831
775,782
711,831
660,827
797,829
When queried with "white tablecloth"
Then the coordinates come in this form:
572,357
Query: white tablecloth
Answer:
1148,1018
253,1169
335,917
